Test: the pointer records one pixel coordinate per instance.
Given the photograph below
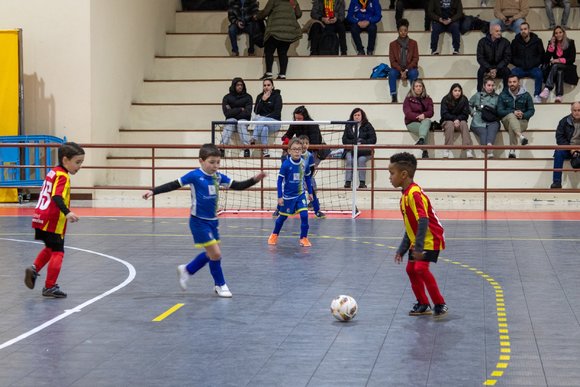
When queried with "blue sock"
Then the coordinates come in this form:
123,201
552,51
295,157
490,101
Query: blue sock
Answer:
215,267
279,223
315,203
303,224
197,263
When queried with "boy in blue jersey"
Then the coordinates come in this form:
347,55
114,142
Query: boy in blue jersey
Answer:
205,183
291,196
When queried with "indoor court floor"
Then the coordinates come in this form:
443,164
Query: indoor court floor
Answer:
511,280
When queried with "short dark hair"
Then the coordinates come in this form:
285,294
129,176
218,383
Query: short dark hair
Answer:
401,23
69,150
405,161
208,150
513,76
304,137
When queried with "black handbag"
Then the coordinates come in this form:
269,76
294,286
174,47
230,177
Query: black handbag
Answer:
488,114
575,161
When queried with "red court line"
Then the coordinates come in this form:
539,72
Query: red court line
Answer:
366,214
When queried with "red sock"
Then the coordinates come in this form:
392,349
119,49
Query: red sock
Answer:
53,269
417,283
422,270
42,258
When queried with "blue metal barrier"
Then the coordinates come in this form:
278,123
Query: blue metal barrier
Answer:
37,159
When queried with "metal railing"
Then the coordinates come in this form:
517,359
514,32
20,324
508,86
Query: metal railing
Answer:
152,154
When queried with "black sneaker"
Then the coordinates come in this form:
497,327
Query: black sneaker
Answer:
425,155
440,310
246,153
30,276
53,292
420,310
362,185
555,185
421,141
394,98
347,184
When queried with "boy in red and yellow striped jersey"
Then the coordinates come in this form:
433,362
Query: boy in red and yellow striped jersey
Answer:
424,237
50,218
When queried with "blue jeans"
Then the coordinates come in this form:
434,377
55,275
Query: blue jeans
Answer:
234,31
395,74
362,167
559,156
239,127
566,5
262,132
437,28
515,26
355,31
488,133
535,73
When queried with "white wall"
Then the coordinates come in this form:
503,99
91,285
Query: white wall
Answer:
83,62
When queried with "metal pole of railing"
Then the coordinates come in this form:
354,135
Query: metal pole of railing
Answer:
262,183
485,159
372,181
354,174
153,173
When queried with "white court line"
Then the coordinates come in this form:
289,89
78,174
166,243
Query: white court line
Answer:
68,312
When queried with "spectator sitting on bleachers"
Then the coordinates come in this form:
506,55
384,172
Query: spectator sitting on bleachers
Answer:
412,4
567,133
550,13
454,115
241,14
268,108
404,58
363,15
418,110
445,15
312,130
361,133
559,59
237,107
527,56
493,56
510,14
516,107
486,131
282,29
332,14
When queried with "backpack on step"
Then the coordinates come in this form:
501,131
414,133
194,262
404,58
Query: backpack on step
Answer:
328,44
380,71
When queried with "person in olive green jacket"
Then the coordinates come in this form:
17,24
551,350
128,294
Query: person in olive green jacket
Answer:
282,29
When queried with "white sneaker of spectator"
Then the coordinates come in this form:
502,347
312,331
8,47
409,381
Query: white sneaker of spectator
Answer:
469,154
447,154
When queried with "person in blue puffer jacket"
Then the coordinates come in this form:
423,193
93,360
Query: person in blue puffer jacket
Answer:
363,15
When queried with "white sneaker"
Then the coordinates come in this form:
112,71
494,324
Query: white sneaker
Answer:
447,154
490,154
182,276
469,154
537,99
223,291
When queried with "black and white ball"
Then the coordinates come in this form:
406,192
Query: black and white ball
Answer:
343,308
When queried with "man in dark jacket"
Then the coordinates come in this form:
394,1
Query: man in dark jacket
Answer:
241,14
527,54
332,18
237,107
516,107
493,56
445,15
567,133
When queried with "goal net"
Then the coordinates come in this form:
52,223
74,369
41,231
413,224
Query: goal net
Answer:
245,153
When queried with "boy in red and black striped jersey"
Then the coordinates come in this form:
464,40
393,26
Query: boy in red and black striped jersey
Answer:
50,218
423,238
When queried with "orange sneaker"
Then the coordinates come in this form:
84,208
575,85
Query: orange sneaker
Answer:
304,242
273,239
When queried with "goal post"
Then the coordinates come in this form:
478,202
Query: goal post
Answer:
248,147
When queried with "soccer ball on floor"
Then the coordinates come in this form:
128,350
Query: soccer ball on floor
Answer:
343,308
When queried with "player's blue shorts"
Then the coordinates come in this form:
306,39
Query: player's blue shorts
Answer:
293,206
205,232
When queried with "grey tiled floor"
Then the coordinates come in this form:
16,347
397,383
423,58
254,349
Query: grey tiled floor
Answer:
277,330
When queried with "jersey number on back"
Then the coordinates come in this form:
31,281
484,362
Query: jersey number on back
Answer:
44,197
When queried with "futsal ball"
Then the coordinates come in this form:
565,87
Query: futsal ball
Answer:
343,308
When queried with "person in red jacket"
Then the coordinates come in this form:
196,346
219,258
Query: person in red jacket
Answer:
51,216
418,110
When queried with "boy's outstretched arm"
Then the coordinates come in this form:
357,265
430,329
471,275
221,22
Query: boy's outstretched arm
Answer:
168,187
242,185
403,248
